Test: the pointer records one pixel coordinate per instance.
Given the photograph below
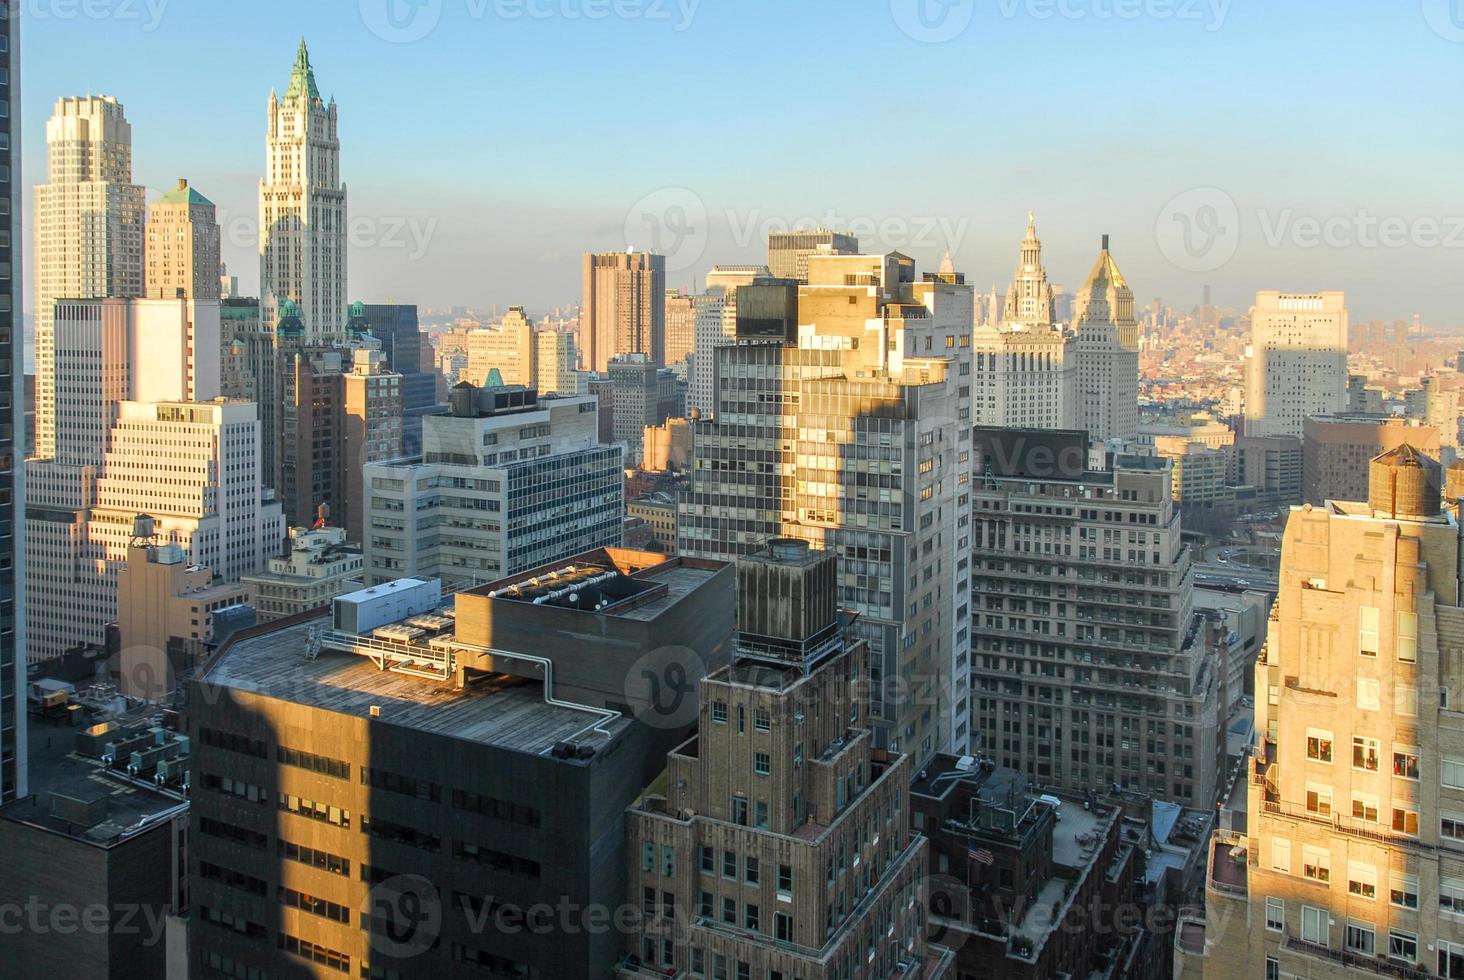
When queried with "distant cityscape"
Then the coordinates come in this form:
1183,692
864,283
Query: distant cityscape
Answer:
831,619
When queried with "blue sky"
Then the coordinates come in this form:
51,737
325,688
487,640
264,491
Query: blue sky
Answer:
483,157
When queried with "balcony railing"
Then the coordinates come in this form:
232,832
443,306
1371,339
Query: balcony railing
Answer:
1357,961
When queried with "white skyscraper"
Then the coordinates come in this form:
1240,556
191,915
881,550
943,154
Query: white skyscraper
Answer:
716,326
1107,349
1024,368
302,208
1297,361
89,228
137,432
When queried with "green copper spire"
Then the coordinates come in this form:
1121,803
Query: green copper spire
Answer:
302,78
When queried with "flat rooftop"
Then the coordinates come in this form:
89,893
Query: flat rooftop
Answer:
507,713
631,584
55,769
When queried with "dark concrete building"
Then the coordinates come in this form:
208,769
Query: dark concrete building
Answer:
1028,886
454,766
93,858
18,430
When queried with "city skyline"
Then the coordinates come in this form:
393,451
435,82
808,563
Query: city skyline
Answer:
476,220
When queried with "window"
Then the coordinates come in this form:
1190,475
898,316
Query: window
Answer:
1405,761
1451,961
1273,968
1405,821
1319,799
1362,880
1408,637
1369,691
1316,863
708,861
1314,925
729,911
1281,855
1365,754
750,871
762,763
729,865
1451,895
785,879
751,917
761,720
1275,914
1365,807
719,712
1403,890
1367,631
648,856
1359,938
783,926
1318,745
1405,699
1403,946
698,964
1451,772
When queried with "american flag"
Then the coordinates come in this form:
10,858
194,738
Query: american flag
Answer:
980,854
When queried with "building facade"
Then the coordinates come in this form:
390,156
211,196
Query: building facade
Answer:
1336,450
1024,366
182,251
89,229
1090,668
1297,361
781,846
318,565
1350,865
302,208
624,308
842,418
789,251
1107,349
505,482
12,444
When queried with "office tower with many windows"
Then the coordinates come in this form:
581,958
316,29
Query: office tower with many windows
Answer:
680,329
1336,449
505,482
1107,349
1024,366
12,443
781,846
843,419
371,430
1296,363
789,251
351,772
1090,667
716,326
302,208
89,229
644,397
182,253
624,308
1350,864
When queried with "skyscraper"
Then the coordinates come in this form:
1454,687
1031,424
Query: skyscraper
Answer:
789,251
716,326
371,429
1089,665
13,778
782,846
182,246
1297,361
1349,864
842,418
1024,366
89,228
680,328
302,208
624,308
1107,349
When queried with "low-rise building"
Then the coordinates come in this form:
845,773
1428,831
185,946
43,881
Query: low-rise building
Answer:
321,565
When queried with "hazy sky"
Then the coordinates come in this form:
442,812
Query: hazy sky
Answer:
1252,144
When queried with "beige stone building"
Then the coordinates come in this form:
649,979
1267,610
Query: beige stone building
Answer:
1353,863
320,566
1335,450
1297,361
183,246
781,846
165,610
624,308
